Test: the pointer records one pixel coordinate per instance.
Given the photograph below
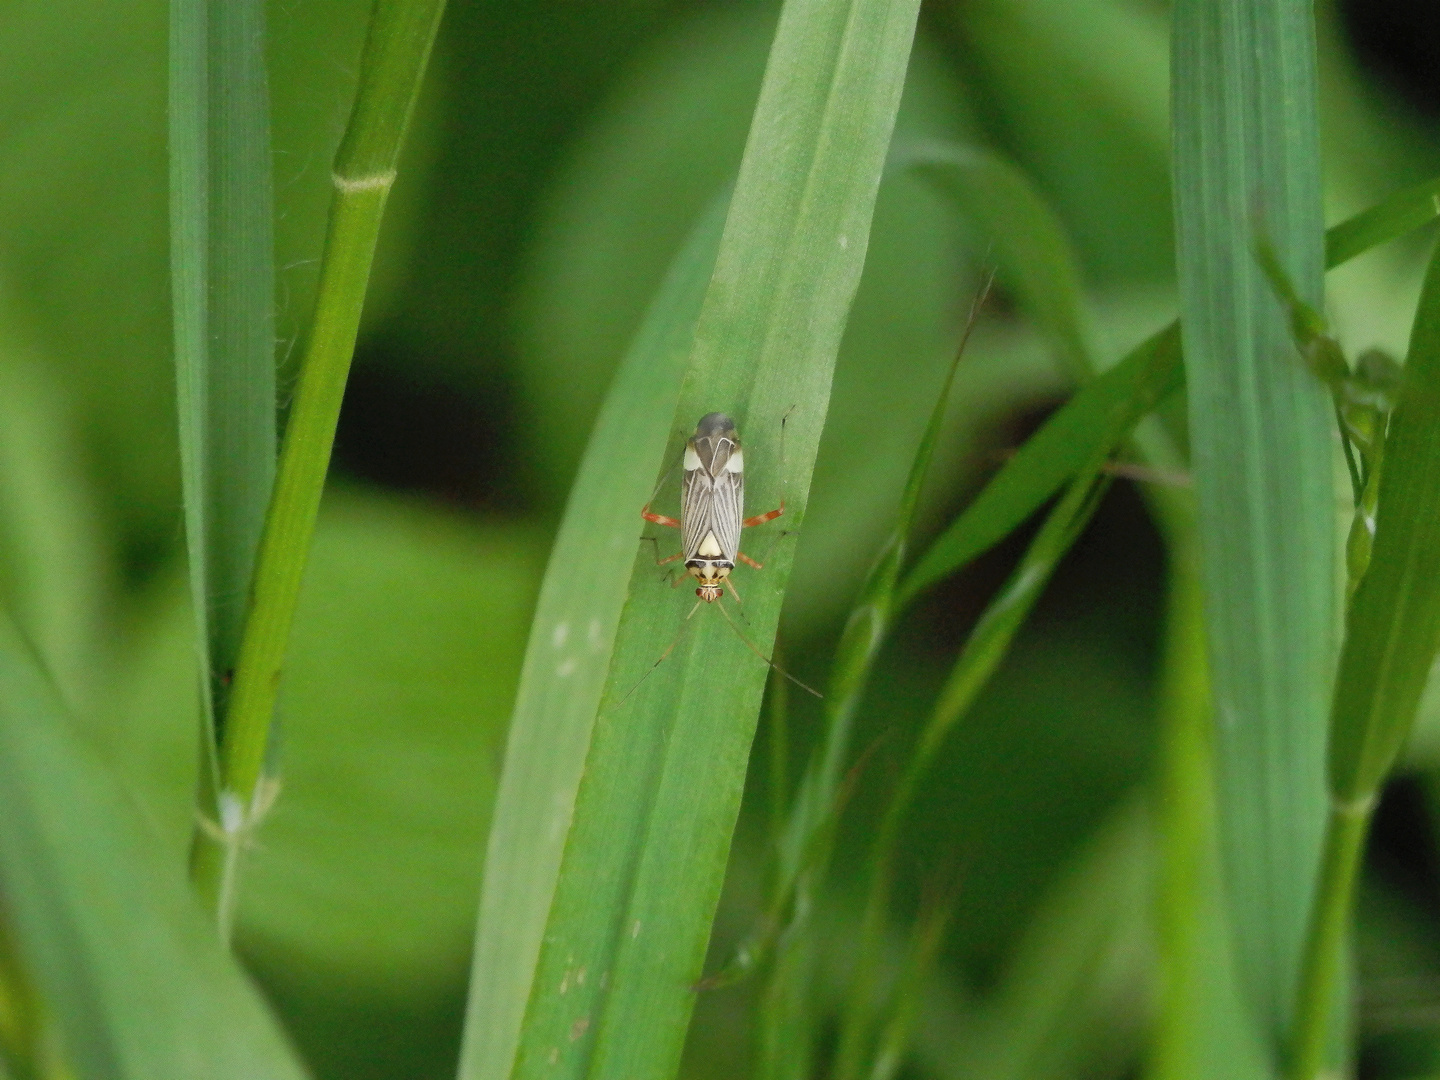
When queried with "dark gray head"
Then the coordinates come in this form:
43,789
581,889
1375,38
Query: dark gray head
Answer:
715,423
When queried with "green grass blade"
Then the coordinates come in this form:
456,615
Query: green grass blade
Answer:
1148,373
1392,217
1393,625
1392,633
575,624
392,65
645,859
1097,420
223,295
1247,150
1199,1030
804,841
1028,241
130,972
981,654
917,968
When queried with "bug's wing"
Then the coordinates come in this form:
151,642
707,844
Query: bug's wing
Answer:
696,507
713,493
728,510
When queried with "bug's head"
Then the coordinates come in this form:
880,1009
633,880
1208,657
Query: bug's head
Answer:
710,592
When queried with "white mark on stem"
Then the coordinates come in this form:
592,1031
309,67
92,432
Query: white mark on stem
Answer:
364,183
559,634
232,812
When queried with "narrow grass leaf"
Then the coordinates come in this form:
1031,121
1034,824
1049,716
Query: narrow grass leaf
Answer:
568,658
397,49
917,969
656,807
1247,151
222,262
803,844
1026,238
984,649
130,972
1096,420
1148,374
1393,626
1394,216
1199,1033
1392,633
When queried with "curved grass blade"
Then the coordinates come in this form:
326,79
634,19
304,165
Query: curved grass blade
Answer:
397,48
222,262
1097,420
1392,633
918,966
1394,216
646,856
1027,239
1151,371
979,657
803,846
131,974
1247,147
574,630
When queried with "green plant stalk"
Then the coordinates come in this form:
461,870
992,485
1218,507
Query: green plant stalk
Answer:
804,842
984,649
1324,959
397,48
1391,637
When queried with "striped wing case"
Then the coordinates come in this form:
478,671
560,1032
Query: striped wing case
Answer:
712,496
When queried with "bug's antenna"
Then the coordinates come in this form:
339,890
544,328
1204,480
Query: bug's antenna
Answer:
762,656
668,650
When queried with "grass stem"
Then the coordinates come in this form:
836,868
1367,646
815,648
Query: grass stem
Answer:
396,51
1345,830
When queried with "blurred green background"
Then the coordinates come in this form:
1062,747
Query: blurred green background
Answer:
561,150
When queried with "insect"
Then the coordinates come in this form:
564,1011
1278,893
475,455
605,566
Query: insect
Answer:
712,509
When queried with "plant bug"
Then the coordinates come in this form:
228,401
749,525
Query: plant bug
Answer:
712,509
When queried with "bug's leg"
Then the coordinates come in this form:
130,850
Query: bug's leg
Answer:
659,519
761,519
658,560
749,561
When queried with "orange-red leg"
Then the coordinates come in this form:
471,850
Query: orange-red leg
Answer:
761,519
659,519
749,561
668,559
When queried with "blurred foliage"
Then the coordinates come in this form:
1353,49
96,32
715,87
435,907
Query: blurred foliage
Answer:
560,153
